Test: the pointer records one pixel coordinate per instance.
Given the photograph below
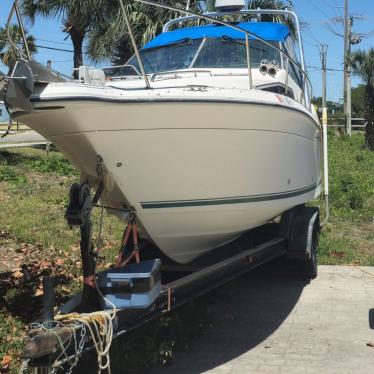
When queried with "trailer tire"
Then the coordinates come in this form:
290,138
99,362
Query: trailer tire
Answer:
301,227
309,267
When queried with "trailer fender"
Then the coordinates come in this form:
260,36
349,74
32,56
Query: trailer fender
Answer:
303,230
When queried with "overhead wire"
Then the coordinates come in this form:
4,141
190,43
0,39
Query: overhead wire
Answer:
47,47
320,10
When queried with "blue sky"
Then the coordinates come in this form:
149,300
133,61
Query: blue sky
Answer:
48,32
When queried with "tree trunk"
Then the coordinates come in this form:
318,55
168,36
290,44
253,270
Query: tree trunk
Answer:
369,116
77,37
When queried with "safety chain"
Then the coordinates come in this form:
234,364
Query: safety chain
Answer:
80,349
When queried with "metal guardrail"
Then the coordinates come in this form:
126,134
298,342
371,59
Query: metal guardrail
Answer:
343,125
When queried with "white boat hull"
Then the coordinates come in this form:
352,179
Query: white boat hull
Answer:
198,172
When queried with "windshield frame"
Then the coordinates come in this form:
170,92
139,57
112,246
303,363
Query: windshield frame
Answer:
199,50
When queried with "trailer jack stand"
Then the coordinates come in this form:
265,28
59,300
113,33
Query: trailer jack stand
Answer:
78,213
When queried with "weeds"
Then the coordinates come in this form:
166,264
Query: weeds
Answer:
348,236
351,178
36,160
12,176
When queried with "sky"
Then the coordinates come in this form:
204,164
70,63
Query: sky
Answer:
48,32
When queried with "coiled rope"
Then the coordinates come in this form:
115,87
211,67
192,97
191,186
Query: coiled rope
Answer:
100,326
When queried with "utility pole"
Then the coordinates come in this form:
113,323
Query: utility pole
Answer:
348,20
346,43
350,38
323,54
348,84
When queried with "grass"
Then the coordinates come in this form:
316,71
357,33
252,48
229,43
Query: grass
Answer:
33,197
348,237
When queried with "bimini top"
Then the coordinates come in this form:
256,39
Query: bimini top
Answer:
269,31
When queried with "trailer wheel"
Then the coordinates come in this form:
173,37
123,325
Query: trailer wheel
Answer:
309,267
301,226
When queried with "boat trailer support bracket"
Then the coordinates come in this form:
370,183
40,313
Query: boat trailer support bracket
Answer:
78,213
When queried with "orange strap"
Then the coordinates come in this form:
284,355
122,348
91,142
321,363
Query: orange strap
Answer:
134,228
135,254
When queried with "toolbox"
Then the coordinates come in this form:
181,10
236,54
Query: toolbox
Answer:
135,285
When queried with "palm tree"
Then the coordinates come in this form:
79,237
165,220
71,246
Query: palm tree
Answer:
9,54
362,63
110,38
78,17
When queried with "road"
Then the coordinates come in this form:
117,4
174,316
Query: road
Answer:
21,138
269,322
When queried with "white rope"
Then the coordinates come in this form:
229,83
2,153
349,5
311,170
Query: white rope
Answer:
100,326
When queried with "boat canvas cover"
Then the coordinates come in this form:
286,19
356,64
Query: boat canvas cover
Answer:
269,31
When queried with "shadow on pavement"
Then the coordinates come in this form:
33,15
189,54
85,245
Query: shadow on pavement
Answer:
241,315
246,312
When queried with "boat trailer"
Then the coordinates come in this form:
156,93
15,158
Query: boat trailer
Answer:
55,346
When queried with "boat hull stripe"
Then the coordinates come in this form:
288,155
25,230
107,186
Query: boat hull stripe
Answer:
227,200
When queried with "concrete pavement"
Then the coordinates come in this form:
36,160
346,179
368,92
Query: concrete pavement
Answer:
270,322
16,139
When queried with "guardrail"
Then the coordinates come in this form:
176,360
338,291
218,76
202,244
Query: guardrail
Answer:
343,125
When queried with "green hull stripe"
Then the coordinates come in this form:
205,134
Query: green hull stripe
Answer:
225,201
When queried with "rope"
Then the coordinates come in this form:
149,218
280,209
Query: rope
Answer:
100,326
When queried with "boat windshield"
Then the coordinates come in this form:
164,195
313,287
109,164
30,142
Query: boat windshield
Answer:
174,56
223,52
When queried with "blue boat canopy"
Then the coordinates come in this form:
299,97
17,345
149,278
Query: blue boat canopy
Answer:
269,31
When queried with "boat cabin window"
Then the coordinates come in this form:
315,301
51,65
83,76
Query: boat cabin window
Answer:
230,53
223,52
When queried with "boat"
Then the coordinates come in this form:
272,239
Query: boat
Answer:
206,132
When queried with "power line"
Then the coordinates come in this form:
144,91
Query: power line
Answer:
318,8
319,68
47,47
312,37
53,48
52,41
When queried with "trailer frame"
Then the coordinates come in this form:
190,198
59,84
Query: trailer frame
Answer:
295,236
